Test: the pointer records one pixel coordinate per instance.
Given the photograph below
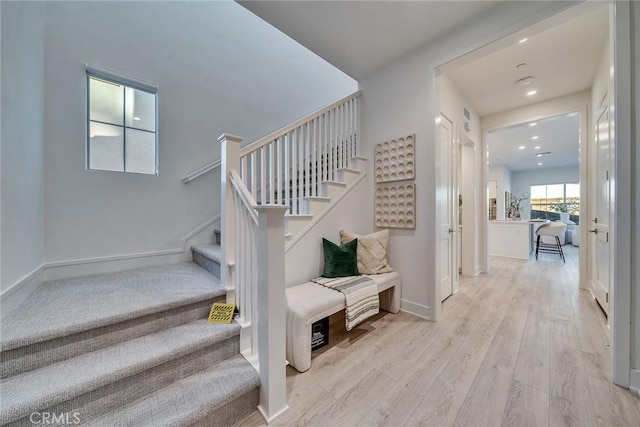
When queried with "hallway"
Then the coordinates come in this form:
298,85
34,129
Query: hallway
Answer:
519,346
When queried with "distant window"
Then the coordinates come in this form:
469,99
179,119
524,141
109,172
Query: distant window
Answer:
121,123
547,201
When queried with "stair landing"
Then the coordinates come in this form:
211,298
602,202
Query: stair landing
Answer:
63,307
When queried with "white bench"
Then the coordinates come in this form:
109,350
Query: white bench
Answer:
310,302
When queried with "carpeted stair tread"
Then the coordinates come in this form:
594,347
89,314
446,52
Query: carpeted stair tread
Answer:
61,308
191,399
52,384
210,251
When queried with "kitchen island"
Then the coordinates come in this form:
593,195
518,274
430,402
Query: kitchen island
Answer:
513,239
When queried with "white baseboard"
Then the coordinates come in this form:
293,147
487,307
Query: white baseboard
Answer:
109,264
416,309
13,297
20,290
634,381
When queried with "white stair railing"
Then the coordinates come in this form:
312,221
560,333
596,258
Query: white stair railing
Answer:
252,269
289,164
259,183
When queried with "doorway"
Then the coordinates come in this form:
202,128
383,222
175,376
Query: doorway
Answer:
534,181
579,102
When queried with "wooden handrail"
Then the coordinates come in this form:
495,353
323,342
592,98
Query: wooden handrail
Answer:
288,128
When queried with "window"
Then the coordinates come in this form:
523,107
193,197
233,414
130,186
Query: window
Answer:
121,123
548,201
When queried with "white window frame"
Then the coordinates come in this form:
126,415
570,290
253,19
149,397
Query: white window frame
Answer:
120,79
564,194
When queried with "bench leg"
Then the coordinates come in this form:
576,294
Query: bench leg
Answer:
391,299
298,343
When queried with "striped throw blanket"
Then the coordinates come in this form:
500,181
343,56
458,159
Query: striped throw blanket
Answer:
360,294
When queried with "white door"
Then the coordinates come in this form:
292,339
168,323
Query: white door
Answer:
445,203
599,223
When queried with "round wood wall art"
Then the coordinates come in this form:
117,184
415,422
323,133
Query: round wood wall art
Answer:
395,159
395,206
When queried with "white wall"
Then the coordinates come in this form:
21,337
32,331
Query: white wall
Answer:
22,182
635,276
521,182
400,99
218,68
305,259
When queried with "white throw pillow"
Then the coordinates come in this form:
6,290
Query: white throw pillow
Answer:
371,252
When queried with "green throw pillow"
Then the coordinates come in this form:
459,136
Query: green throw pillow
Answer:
340,261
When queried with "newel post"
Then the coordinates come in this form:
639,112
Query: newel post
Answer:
272,308
230,160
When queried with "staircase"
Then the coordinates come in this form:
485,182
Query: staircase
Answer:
133,348
126,348
313,202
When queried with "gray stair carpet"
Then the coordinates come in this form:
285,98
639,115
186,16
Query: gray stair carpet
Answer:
97,345
64,318
110,374
207,256
218,397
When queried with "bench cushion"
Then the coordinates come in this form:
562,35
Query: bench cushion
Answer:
310,302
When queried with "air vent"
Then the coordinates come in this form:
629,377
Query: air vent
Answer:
543,153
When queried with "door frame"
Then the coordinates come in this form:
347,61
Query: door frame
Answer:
620,273
520,116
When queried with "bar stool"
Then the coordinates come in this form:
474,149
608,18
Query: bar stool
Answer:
555,230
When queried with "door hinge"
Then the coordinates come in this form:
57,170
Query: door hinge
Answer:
607,297
607,175
607,237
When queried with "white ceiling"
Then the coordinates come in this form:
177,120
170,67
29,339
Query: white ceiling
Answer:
562,59
360,37
562,53
558,135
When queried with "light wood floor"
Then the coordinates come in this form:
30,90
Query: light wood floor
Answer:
520,346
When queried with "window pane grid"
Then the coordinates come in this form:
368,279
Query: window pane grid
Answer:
548,201
112,105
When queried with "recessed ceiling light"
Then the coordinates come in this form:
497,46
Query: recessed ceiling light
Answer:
525,81
521,66
539,155
535,137
533,124
532,92
537,147
523,40
136,118
522,147
540,164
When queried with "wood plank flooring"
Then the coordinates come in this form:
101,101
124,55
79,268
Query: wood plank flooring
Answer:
519,346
